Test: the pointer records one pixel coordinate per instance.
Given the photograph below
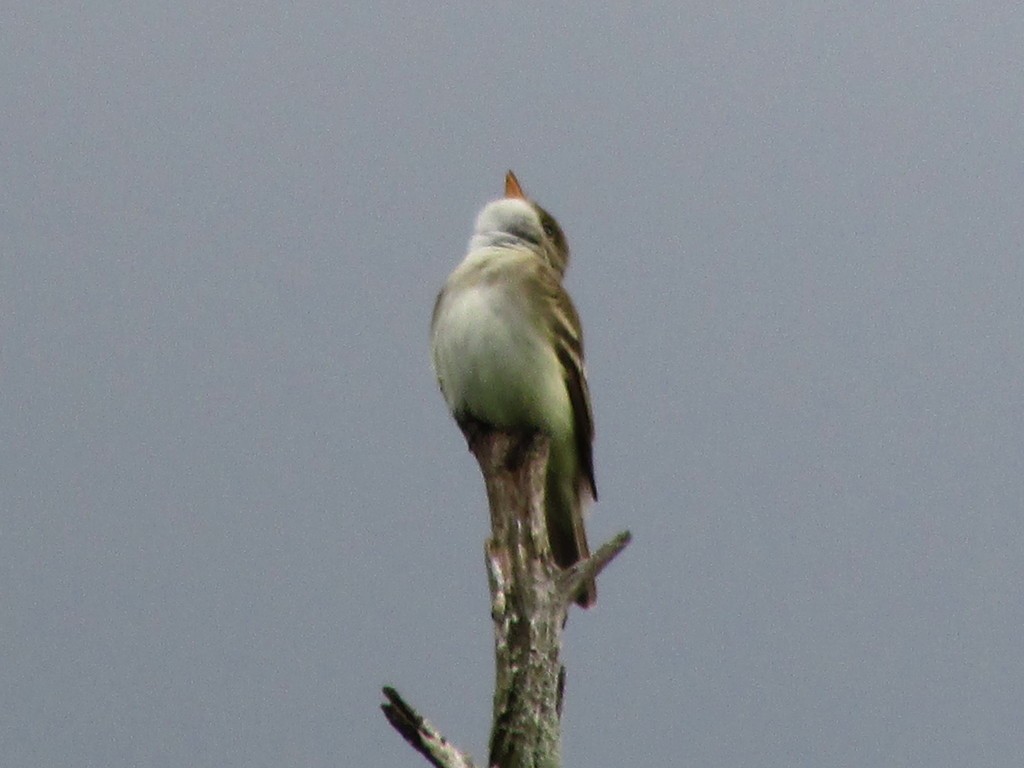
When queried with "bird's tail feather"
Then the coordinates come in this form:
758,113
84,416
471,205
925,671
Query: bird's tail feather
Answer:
566,534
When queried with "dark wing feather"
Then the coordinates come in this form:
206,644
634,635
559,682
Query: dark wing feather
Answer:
568,335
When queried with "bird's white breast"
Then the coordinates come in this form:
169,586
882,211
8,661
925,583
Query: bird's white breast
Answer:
491,349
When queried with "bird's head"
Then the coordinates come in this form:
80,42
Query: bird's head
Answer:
516,217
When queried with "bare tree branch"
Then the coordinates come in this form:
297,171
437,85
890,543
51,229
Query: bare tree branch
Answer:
530,599
423,737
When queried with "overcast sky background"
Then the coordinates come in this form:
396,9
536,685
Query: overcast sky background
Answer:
233,504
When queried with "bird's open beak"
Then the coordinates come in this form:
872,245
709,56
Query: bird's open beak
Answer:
512,188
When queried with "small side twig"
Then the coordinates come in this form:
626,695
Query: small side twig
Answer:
572,579
423,737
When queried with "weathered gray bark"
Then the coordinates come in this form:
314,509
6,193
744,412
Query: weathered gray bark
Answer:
530,599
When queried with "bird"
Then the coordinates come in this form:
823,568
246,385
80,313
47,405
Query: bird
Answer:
507,349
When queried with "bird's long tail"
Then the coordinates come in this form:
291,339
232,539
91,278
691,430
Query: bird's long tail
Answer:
566,533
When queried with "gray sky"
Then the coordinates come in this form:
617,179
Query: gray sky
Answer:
233,504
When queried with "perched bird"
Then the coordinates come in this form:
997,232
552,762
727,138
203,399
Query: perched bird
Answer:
508,352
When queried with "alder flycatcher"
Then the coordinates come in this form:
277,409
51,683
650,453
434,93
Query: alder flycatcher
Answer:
508,352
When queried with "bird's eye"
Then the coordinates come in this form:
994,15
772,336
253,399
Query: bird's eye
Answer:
549,228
